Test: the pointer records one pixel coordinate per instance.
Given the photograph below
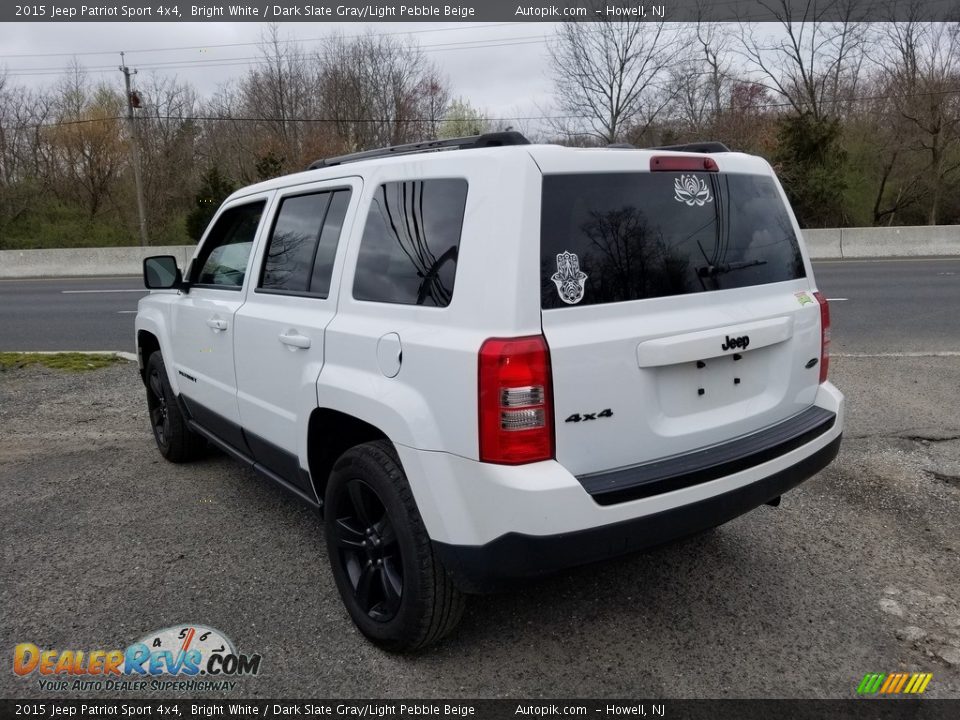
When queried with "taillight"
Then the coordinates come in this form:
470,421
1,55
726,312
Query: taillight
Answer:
668,163
515,401
824,336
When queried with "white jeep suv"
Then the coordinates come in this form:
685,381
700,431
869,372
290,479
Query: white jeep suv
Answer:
485,360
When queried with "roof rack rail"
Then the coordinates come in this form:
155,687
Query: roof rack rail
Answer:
709,146
494,139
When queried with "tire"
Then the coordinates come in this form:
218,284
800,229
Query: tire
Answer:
393,586
175,440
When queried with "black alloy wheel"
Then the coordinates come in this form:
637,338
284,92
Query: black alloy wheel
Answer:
368,551
157,404
175,440
392,584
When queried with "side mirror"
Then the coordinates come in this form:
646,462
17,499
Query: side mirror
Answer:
160,272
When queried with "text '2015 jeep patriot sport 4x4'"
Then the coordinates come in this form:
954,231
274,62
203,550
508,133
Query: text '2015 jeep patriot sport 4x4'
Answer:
486,359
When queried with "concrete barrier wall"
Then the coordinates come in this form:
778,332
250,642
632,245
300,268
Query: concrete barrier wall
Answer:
77,262
823,244
880,242
900,241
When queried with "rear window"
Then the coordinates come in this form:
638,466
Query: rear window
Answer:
629,236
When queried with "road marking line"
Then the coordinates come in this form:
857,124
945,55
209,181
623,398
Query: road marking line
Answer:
837,299
82,292
71,278
942,353
848,261
126,312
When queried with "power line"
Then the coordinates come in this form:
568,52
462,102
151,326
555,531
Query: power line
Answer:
62,123
253,61
217,118
259,42
260,60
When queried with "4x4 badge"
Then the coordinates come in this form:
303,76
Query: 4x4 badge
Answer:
569,278
691,190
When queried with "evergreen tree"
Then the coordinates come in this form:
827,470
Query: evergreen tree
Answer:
215,188
813,161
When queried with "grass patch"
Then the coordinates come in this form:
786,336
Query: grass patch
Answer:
69,361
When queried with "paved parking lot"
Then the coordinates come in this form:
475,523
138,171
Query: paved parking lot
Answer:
856,572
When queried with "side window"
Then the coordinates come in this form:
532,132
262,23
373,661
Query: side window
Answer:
303,243
408,253
222,261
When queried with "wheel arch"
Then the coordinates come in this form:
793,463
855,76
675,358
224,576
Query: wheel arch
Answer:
330,433
150,336
147,344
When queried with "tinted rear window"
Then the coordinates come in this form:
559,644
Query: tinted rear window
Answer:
629,236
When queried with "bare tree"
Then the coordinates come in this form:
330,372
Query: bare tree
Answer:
380,91
86,144
923,71
168,143
813,63
611,76
747,121
279,95
701,78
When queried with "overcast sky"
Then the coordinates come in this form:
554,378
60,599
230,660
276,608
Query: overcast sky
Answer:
498,67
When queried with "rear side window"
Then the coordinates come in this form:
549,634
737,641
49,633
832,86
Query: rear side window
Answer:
628,236
303,243
408,253
222,261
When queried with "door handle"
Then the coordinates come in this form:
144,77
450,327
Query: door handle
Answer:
216,324
295,340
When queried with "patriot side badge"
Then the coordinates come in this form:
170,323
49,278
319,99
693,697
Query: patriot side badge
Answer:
569,278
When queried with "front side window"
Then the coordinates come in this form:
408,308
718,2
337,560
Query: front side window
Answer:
408,253
222,261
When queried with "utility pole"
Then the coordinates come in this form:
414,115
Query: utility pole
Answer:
135,150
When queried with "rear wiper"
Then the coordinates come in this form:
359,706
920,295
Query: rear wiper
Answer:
712,270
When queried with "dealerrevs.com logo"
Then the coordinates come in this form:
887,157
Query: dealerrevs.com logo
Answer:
187,657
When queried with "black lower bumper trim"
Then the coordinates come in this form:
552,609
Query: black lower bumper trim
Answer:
513,557
700,466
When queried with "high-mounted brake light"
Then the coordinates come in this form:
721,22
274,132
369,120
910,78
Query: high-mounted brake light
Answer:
824,336
668,163
515,401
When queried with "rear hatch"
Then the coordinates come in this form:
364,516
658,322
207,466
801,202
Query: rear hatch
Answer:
676,304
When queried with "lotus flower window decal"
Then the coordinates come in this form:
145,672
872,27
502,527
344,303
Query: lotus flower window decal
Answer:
691,190
569,278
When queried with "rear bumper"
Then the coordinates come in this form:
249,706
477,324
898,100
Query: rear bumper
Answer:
490,521
515,556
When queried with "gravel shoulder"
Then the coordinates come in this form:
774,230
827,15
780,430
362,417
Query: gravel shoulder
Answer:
858,570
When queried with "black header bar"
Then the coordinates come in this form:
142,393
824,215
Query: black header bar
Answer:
864,709
477,10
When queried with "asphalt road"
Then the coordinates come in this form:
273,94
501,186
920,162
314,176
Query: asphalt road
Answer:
69,313
881,298
893,306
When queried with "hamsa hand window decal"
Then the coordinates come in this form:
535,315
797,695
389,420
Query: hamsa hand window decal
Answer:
691,190
569,278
